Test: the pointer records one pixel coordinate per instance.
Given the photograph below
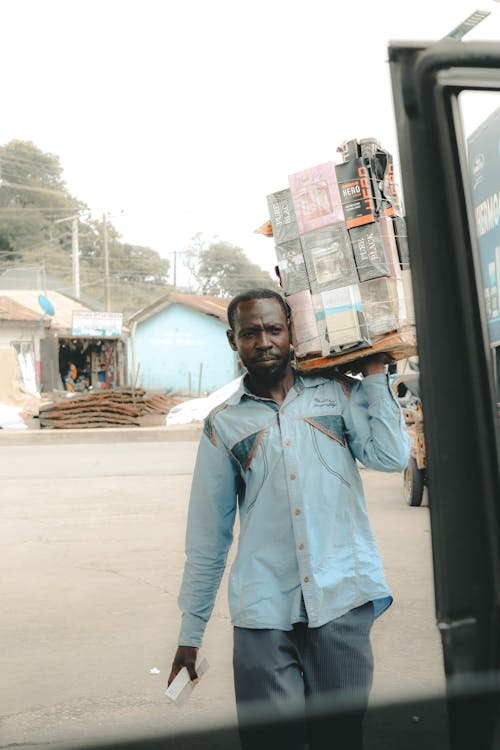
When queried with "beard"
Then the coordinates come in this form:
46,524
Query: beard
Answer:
271,373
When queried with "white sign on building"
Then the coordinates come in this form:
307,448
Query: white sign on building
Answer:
99,324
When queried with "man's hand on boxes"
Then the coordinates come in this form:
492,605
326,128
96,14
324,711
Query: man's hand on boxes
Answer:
374,364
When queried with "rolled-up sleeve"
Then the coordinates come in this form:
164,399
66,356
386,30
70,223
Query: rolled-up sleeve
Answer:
375,426
211,514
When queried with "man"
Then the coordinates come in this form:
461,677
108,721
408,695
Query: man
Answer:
307,581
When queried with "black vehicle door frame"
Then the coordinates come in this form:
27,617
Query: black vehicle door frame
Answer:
458,392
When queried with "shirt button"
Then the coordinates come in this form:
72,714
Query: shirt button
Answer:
288,442
292,476
301,546
297,512
306,579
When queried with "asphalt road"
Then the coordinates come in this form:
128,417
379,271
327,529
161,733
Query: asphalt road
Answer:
92,546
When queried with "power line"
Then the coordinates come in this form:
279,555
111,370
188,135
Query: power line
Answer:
40,158
33,188
27,209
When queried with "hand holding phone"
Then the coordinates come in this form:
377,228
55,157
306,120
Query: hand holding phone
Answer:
181,687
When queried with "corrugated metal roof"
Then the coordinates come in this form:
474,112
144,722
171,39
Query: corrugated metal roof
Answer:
14,311
216,306
211,305
63,306
37,278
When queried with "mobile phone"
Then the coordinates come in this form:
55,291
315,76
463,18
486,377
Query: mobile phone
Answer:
181,686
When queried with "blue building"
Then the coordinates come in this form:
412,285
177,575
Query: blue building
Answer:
179,343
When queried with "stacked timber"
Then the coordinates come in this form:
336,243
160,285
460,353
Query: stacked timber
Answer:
121,407
155,408
158,403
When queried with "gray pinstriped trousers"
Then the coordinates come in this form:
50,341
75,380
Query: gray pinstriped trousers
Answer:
284,668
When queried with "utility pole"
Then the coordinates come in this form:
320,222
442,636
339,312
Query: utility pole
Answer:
107,295
75,252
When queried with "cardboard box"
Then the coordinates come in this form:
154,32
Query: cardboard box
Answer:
282,214
403,309
391,249
408,295
369,252
401,236
319,312
329,258
368,147
358,192
316,198
382,166
381,300
349,150
391,190
344,318
306,338
292,266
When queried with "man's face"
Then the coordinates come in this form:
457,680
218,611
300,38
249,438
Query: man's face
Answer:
261,336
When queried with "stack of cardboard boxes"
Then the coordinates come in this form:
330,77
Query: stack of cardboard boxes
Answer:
342,252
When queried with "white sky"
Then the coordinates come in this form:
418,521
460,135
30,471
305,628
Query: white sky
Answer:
186,114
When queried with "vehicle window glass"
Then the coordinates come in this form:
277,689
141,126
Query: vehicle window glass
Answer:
481,127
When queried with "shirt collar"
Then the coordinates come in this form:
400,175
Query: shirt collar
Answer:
300,384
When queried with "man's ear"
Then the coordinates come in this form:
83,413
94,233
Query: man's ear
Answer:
230,338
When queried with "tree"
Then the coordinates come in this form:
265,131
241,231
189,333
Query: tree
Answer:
222,269
191,260
32,195
137,275
36,227
139,264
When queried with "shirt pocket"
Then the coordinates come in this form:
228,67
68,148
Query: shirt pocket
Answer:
329,444
253,473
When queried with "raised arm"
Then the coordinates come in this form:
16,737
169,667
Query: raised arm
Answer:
374,422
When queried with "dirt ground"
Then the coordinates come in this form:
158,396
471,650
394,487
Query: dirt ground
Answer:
92,538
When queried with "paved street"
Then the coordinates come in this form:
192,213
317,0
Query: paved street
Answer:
92,544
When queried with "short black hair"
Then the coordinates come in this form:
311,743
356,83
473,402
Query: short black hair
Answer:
251,294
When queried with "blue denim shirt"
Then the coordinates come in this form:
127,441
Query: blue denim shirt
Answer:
305,537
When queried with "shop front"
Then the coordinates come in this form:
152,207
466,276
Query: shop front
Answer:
93,356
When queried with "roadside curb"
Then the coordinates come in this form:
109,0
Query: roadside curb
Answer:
190,432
